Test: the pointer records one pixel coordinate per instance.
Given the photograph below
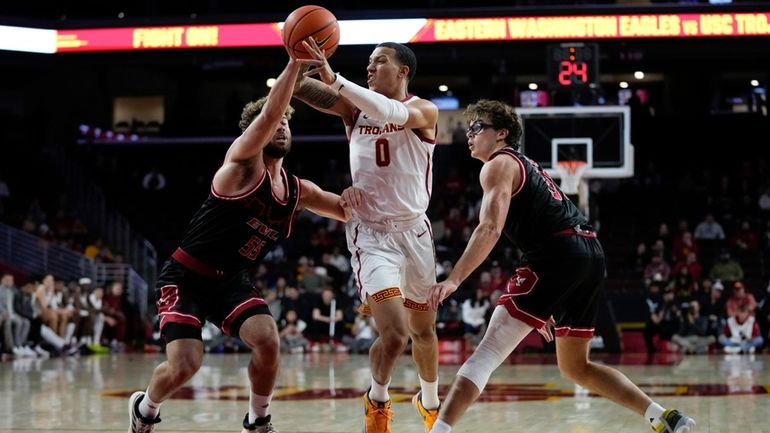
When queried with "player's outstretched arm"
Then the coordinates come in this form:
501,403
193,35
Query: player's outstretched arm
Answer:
323,203
497,178
418,114
257,135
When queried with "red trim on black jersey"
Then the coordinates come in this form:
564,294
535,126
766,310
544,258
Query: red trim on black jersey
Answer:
239,196
243,306
285,185
296,203
196,265
509,152
568,331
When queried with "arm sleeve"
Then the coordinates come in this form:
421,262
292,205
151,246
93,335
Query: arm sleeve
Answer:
374,105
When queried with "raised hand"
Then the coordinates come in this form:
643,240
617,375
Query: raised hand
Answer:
319,63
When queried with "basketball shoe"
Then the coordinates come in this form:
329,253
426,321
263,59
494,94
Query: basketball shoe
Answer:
673,421
376,415
136,422
260,425
429,416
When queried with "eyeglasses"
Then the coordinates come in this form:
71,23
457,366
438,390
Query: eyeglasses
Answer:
477,127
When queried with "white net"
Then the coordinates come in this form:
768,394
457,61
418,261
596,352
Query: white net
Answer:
570,172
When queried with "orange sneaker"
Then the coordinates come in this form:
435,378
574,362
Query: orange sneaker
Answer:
429,416
376,416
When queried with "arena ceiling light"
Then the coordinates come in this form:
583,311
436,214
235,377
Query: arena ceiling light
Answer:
532,86
443,88
639,75
623,85
755,83
270,82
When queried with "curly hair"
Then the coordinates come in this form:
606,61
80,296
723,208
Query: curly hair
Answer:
499,114
252,110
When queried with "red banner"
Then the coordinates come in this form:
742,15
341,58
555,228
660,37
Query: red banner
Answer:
594,27
171,37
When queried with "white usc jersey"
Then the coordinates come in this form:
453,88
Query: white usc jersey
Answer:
393,165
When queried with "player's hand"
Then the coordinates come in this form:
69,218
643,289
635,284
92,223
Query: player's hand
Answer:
319,63
438,292
352,197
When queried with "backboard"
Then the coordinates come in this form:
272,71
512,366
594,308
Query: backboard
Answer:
600,136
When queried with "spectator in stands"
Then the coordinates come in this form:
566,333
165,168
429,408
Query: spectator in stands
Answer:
499,278
273,303
741,335
709,230
291,328
663,320
693,335
745,240
46,306
474,311
97,251
763,314
683,246
691,264
339,260
114,316
726,269
326,316
640,258
657,270
713,307
664,234
683,286
764,202
15,327
485,283
740,298
364,332
292,300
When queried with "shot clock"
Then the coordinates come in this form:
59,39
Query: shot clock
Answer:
572,65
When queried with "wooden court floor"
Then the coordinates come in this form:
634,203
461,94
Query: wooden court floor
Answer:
321,393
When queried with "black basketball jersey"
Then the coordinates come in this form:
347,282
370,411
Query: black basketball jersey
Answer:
234,233
538,208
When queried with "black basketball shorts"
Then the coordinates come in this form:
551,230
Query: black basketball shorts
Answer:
564,280
185,299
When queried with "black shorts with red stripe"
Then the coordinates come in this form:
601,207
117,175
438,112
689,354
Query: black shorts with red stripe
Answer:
185,299
563,279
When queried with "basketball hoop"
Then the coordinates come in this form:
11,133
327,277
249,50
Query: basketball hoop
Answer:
571,173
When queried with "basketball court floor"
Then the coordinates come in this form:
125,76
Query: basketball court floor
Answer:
321,393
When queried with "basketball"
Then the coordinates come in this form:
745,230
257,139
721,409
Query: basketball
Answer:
314,21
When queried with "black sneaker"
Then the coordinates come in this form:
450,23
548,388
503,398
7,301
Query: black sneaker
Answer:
674,422
260,425
136,422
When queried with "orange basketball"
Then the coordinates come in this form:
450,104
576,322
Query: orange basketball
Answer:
314,21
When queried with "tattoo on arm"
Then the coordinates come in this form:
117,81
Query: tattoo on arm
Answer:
316,93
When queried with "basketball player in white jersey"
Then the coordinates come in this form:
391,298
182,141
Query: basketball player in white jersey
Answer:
392,135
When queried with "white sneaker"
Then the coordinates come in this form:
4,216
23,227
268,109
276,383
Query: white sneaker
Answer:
136,422
752,350
674,421
42,353
30,353
733,350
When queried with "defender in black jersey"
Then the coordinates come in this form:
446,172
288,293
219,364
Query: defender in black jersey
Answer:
210,276
559,283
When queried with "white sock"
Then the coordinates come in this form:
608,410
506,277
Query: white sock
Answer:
429,394
653,414
148,408
69,332
259,406
441,427
379,393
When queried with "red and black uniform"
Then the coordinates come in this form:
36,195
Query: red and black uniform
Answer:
211,274
564,267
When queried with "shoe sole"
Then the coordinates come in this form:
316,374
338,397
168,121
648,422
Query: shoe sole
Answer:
131,403
688,427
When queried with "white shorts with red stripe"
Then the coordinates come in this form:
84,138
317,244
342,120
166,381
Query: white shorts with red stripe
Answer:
393,255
